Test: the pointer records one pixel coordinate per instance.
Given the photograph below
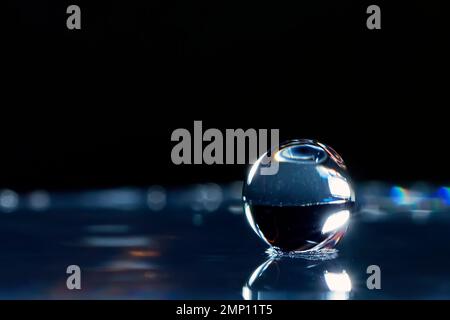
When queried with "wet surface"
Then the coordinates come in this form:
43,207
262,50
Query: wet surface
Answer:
197,244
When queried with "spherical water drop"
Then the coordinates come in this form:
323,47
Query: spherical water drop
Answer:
306,204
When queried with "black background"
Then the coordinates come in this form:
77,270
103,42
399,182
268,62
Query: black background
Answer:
96,107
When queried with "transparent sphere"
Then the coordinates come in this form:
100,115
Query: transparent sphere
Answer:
304,202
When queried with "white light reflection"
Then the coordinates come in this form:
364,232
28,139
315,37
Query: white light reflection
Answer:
336,221
255,167
246,293
249,216
339,285
339,187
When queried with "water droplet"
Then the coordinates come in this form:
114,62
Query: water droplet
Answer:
307,204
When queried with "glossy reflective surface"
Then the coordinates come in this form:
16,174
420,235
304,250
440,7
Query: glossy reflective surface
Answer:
183,248
306,205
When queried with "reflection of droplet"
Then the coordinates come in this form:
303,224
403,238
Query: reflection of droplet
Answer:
297,279
9,200
156,198
306,204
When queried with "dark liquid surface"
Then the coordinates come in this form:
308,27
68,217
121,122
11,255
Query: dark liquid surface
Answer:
294,227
